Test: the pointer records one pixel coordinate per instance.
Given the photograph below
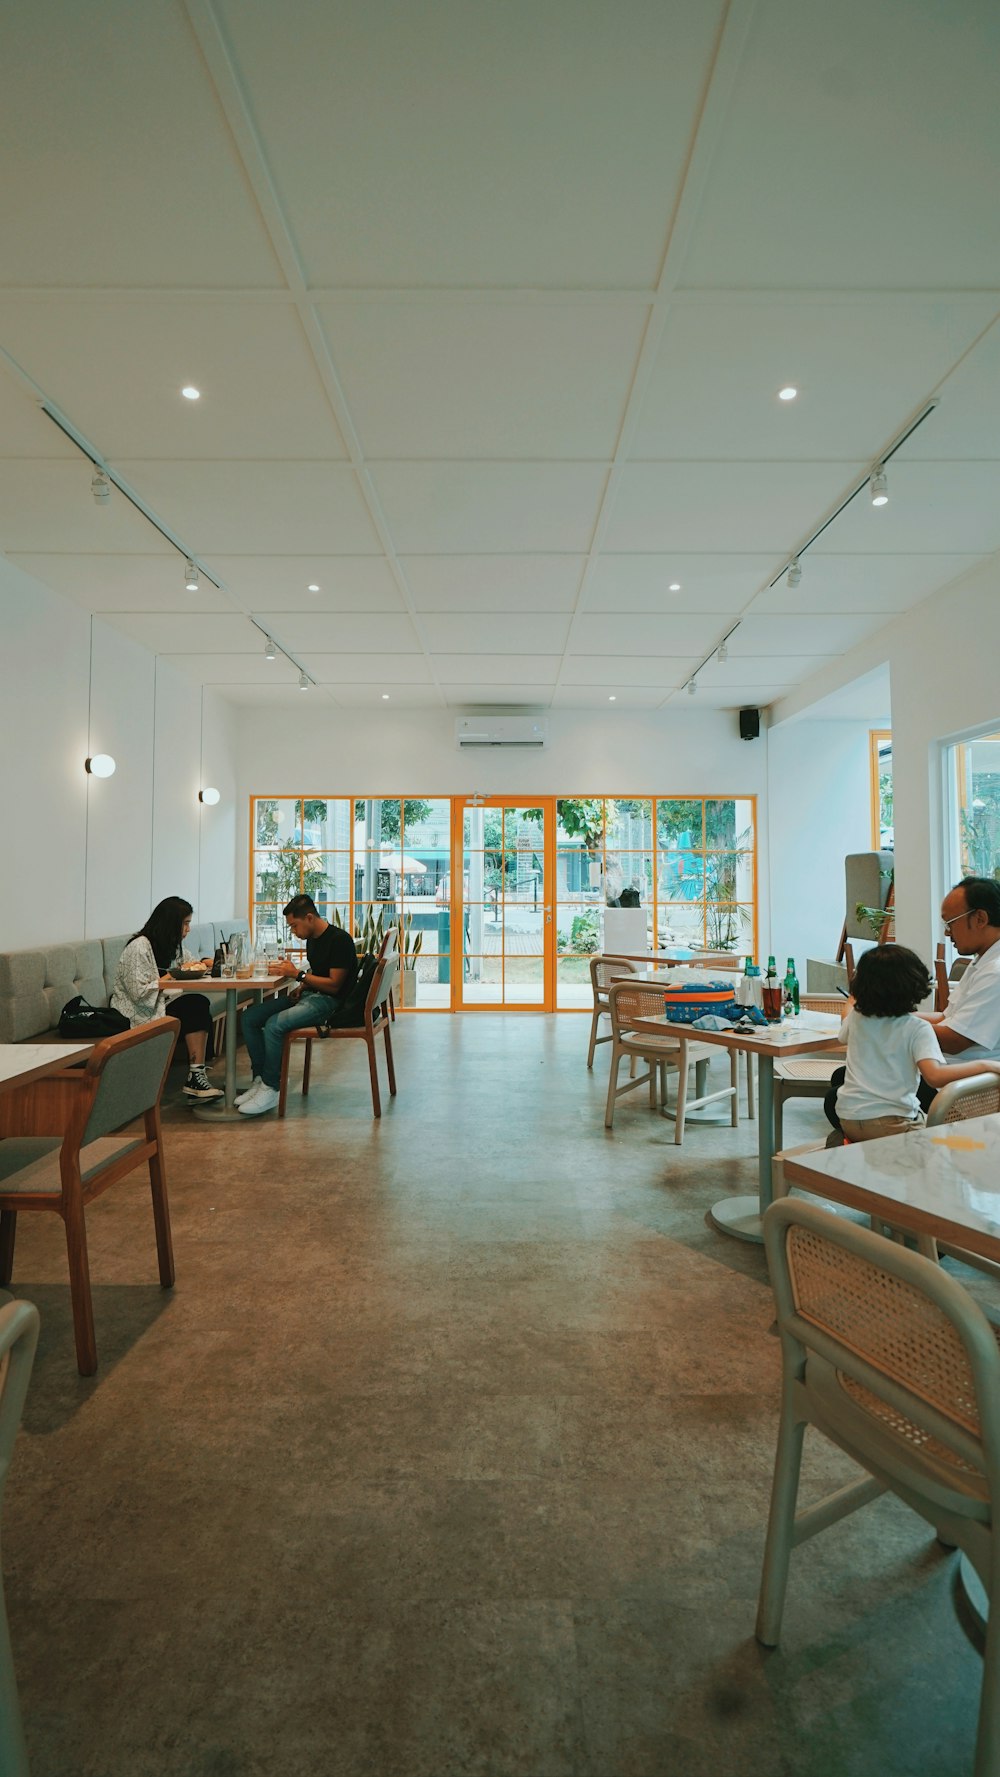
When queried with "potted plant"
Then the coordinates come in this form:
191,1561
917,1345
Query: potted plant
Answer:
410,943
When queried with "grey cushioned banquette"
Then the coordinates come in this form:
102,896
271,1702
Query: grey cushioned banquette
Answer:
35,984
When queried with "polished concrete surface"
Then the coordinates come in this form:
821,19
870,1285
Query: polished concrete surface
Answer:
448,1456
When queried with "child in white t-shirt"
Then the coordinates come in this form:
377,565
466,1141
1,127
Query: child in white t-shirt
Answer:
889,1048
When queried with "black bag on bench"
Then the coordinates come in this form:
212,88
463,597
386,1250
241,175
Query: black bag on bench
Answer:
79,1018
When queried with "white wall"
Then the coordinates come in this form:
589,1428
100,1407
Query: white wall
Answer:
321,748
943,659
87,856
819,795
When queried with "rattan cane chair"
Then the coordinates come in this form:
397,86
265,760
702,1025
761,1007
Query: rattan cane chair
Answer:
18,1339
604,970
892,1360
628,1001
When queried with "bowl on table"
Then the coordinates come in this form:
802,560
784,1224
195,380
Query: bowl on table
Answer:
188,974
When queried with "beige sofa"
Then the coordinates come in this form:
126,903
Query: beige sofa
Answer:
35,984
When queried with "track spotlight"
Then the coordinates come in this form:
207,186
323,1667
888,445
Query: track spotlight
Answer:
879,487
722,652
100,487
191,577
100,765
270,652
303,681
209,796
794,573
692,687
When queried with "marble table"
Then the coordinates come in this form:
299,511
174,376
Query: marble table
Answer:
20,1063
232,986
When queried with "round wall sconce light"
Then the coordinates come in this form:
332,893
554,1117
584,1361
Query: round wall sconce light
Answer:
209,796
100,765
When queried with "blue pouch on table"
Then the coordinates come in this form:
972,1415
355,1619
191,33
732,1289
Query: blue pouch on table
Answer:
687,1002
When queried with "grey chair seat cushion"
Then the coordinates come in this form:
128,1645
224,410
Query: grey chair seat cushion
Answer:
29,1165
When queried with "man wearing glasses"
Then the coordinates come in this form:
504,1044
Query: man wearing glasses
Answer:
970,1024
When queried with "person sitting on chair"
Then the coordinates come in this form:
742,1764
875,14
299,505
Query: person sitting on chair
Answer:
969,1027
890,1048
331,971
142,982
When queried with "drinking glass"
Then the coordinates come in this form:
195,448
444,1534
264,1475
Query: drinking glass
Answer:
773,997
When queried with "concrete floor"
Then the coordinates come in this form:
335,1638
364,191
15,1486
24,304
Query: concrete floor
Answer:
448,1456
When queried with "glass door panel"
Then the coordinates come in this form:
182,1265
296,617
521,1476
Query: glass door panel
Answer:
506,912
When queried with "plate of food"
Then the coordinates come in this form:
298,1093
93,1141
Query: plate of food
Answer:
190,972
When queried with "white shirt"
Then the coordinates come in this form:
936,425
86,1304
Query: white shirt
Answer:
974,1007
882,1056
137,993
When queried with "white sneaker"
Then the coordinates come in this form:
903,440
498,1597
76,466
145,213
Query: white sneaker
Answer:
264,1099
251,1089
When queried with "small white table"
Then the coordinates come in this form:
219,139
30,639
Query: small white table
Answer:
232,986
20,1063
809,1033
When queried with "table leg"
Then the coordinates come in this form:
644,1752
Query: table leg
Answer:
228,1111
742,1216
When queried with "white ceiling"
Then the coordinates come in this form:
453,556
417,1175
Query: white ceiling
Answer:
489,308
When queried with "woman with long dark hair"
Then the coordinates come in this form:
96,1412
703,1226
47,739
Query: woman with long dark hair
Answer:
142,983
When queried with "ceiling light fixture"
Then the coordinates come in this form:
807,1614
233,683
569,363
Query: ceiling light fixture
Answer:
312,587
100,765
303,681
190,393
692,687
674,586
209,796
385,697
722,652
879,487
100,487
612,698
191,580
788,393
794,573
270,651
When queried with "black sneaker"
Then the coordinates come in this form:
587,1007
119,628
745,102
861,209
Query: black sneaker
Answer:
198,1085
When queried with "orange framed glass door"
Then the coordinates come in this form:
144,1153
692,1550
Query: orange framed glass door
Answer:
503,904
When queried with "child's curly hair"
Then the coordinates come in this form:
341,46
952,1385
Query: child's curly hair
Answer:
890,981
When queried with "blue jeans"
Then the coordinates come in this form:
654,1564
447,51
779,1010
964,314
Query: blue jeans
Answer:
266,1025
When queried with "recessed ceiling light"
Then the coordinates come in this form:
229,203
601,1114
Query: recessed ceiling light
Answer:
190,393
788,393
612,698
385,697
675,586
312,587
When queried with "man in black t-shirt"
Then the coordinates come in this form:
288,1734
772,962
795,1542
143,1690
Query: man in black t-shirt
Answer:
330,973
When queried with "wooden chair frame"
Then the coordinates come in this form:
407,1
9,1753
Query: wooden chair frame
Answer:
60,1105
18,1341
376,1022
600,980
676,1049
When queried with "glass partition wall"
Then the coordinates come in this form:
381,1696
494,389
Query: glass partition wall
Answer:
500,900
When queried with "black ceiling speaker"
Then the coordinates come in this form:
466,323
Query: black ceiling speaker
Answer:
749,724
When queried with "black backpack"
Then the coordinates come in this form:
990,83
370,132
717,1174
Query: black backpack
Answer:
351,1010
79,1018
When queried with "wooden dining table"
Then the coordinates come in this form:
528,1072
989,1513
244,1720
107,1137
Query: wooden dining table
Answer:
808,1034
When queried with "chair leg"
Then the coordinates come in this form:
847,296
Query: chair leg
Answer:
609,1113
161,1207
988,1731
751,1100
390,1066
654,1083
79,1286
13,1750
682,1092
780,1528
595,1018
734,1081
286,1056
307,1066
373,1070
8,1230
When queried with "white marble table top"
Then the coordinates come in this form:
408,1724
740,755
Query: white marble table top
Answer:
809,1032
22,1062
943,1181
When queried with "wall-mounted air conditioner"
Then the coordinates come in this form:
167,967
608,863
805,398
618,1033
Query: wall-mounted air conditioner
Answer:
501,731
